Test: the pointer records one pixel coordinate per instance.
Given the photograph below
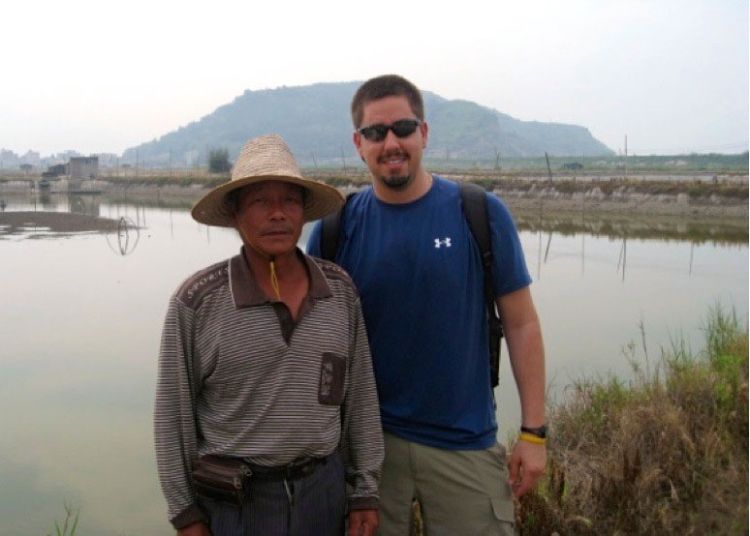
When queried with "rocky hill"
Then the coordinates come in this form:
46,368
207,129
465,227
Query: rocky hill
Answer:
315,122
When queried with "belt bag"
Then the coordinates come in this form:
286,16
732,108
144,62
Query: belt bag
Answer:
222,479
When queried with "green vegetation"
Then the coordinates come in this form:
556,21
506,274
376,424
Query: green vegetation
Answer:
678,164
695,189
218,161
666,453
70,525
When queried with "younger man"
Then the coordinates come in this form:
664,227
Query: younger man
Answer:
407,245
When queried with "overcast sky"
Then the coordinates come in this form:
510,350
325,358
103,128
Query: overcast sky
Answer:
99,76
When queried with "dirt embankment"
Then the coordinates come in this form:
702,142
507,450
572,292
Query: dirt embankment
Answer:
724,196
652,197
623,201
706,196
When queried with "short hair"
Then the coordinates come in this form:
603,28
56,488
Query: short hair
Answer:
387,85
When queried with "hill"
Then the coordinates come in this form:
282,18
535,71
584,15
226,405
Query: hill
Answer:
315,121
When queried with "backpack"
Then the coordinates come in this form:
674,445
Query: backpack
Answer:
474,202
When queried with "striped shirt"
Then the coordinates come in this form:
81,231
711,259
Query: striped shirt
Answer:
269,389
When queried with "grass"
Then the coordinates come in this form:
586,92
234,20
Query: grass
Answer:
69,525
666,453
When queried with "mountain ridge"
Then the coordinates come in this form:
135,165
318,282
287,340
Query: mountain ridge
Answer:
314,120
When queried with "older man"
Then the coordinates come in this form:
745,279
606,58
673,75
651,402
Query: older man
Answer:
265,402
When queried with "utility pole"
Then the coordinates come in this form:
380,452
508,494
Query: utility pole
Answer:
343,159
549,169
626,156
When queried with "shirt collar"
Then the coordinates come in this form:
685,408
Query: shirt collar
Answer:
246,292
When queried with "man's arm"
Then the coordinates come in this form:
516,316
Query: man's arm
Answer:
523,336
174,425
362,436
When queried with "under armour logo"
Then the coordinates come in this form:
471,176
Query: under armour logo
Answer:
445,242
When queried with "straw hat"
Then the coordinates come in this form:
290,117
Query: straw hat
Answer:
263,159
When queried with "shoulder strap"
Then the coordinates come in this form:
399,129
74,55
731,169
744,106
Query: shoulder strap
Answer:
330,232
474,200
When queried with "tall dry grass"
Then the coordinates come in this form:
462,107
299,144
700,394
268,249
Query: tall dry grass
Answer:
666,453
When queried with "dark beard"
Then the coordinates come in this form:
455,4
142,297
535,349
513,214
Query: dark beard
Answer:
396,183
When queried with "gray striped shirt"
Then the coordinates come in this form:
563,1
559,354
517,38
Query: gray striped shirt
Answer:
269,390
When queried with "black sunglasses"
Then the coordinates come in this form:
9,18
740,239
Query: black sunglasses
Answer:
401,128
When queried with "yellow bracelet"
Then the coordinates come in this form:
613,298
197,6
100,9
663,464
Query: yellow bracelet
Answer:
531,438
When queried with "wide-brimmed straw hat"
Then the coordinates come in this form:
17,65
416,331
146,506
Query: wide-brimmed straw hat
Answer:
266,158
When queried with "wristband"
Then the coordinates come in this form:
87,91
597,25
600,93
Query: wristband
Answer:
531,438
539,431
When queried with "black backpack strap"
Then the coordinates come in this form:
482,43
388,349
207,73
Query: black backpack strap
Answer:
330,233
474,200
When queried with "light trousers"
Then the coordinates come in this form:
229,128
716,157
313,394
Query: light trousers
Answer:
461,492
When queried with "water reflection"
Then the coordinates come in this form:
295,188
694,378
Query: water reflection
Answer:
619,229
127,236
617,226
47,216
84,204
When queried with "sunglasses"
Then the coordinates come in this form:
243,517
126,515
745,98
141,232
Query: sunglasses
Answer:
401,128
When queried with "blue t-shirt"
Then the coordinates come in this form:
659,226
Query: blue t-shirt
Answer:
420,278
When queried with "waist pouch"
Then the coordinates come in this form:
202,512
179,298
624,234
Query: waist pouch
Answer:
222,479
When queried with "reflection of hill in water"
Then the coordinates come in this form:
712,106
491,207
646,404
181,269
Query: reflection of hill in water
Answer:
653,228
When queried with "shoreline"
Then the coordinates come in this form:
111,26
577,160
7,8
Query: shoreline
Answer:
592,199
590,196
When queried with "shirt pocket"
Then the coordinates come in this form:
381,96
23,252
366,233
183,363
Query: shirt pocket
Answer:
332,375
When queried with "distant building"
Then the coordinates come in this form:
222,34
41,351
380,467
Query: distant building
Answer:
572,165
83,167
54,171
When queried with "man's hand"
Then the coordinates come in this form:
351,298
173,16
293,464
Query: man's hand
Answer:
363,522
526,465
195,529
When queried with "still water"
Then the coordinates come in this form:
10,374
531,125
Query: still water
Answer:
82,307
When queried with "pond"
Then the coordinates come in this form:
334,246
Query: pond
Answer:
83,302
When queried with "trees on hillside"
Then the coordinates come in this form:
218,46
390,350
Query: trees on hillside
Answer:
218,161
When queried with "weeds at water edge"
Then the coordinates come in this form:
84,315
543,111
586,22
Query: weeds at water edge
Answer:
665,453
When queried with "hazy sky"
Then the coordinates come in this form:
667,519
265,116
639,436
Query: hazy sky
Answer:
98,76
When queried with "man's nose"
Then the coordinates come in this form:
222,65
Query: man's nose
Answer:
391,141
276,209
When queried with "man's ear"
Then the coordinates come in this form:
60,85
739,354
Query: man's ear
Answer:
357,139
425,131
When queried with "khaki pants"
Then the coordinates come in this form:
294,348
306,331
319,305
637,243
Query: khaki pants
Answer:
461,492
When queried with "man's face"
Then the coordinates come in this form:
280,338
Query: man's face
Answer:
270,215
394,161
